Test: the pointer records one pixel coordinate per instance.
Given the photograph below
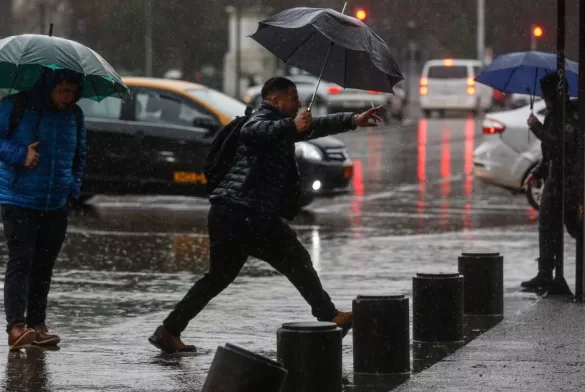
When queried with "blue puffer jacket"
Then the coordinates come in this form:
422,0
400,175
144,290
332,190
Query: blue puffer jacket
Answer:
62,157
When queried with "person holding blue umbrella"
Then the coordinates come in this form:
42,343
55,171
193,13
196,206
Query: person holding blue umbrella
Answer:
550,225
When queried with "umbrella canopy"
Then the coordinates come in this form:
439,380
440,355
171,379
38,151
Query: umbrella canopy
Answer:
23,58
327,43
521,72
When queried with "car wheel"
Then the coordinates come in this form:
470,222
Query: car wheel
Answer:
534,193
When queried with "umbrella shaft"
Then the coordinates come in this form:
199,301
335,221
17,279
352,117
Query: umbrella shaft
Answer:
320,76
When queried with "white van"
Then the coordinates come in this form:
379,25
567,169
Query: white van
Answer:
449,84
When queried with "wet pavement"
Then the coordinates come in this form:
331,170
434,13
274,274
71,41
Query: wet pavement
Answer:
127,260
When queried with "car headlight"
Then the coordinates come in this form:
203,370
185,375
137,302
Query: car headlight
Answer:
308,151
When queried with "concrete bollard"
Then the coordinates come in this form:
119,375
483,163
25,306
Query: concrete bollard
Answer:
483,291
483,285
381,335
311,352
237,370
437,308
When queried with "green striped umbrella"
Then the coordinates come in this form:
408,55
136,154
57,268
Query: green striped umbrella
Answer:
24,57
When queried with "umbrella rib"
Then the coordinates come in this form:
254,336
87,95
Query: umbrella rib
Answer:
301,44
344,69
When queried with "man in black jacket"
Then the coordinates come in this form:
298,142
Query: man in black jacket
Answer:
247,207
550,225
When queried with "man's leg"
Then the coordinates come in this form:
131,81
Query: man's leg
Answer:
52,232
20,230
227,257
279,246
550,228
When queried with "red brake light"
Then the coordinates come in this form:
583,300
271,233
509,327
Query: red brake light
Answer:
374,92
492,127
334,90
424,81
471,82
448,62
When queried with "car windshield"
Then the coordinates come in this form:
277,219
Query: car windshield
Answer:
442,72
222,102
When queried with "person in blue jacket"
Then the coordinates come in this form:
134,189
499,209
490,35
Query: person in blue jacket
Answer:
42,158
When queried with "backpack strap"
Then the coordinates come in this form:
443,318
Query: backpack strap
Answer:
20,101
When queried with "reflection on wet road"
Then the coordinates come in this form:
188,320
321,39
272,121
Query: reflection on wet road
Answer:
413,208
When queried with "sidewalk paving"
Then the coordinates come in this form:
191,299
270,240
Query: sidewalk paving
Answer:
541,348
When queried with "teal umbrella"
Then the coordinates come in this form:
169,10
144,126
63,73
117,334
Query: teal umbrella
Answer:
23,59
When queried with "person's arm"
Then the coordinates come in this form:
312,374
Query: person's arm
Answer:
339,122
79,158
329,125
12,154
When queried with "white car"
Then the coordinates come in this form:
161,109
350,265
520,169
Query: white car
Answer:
509,150
449,84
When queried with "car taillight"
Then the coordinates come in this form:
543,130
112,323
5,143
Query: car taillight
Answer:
374,92
470,86
492,127
334,90
424,89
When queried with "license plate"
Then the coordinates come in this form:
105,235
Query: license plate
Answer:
181,177
348,171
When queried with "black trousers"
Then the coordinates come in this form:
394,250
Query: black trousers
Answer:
34,240
550,227
235,234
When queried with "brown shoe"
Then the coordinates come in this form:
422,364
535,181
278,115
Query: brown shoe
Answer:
20,337
163,340
344,321
44,338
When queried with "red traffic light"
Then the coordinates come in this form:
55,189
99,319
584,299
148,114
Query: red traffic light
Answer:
361,14
537,31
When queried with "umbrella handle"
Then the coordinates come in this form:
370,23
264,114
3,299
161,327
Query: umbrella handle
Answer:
320,77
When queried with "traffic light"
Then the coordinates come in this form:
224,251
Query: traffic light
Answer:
361,14
536,34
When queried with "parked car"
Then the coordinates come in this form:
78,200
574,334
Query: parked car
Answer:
332,98
509,151
157,142
449,84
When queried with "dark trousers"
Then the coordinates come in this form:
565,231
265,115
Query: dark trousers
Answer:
34,240
550,227
235,234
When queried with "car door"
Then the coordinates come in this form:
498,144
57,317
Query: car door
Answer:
112,146
173,148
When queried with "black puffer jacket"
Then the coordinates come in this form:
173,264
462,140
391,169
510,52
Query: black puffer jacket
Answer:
549,137
265,175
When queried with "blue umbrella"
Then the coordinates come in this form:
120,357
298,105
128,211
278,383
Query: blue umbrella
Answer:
521,72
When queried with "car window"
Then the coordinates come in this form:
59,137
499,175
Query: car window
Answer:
220,101
109,108
476,70
443,72
157,108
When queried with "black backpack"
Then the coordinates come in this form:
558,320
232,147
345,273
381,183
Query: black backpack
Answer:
223,151
20,102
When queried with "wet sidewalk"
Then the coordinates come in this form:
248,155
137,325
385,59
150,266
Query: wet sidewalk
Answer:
541,348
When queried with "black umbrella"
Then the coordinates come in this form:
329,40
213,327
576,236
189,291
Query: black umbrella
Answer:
337,47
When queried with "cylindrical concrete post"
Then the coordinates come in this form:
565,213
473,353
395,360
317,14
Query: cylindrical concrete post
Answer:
483,285
237,370
381,335
311,352
437,308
